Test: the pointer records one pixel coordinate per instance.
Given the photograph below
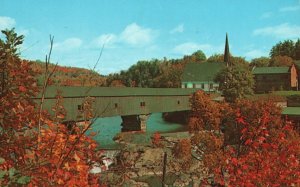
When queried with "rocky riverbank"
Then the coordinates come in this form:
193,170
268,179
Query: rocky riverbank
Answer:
141,164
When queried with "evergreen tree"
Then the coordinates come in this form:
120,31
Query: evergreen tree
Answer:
286,48
297,50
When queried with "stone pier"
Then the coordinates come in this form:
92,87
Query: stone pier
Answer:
134,122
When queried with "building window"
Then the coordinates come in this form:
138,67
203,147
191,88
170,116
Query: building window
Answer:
194,85
202,86
178,102
116,105
185,85
142,104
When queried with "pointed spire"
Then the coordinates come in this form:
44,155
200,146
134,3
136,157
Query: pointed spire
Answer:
226,53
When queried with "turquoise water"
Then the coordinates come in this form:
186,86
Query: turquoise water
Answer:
108,127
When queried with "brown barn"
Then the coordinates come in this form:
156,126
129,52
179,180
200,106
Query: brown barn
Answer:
275,78
297,65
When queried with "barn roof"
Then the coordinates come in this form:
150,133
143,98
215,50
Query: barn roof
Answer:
271,70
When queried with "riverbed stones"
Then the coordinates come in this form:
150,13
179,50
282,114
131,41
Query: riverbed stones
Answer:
131,183
144,160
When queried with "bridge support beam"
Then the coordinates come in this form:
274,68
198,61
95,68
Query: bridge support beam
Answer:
134,123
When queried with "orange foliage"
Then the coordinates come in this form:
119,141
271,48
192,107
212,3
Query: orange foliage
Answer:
156,139
205,113
182,149
51,157
117,83
68,76
266,150
281,61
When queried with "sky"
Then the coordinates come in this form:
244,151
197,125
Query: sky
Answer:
133,30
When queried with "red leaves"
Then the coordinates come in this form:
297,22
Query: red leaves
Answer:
261,139
156,139
234,161
22,89
248,142
266,145
49,156
267,151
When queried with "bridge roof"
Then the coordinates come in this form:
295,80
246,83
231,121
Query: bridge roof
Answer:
72,91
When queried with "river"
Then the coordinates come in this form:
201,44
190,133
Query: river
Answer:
108,127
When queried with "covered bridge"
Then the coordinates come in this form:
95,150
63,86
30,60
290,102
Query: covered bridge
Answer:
132,104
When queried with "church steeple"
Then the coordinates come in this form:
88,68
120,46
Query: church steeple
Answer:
227,53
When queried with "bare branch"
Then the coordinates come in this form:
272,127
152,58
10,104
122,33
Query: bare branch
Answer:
45,84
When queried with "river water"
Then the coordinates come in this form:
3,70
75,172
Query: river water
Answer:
108,127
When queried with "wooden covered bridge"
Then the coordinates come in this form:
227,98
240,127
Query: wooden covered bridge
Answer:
134,105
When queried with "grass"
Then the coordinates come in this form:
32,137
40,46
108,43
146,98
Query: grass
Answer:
287,93
276,95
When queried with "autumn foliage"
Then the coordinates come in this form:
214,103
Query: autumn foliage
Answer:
182,149
266,150
156,139
35,149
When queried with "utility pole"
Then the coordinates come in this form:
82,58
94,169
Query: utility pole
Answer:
164,169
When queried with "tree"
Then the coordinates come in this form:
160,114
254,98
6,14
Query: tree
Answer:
216,58
260,62
141,74
205,114
281,61
285,48
199,56
8,49
12,41
297,50
35,149
170,75
235,60
235,82
267,150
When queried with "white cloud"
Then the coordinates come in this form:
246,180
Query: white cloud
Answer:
190,47
68,44
289,8
178,29
6,22
255,54
282,31
266,15
108,40
136,35
133,34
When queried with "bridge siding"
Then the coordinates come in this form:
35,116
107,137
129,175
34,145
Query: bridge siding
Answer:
73,91
128,100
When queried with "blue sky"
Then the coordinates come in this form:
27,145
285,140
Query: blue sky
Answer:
133,30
